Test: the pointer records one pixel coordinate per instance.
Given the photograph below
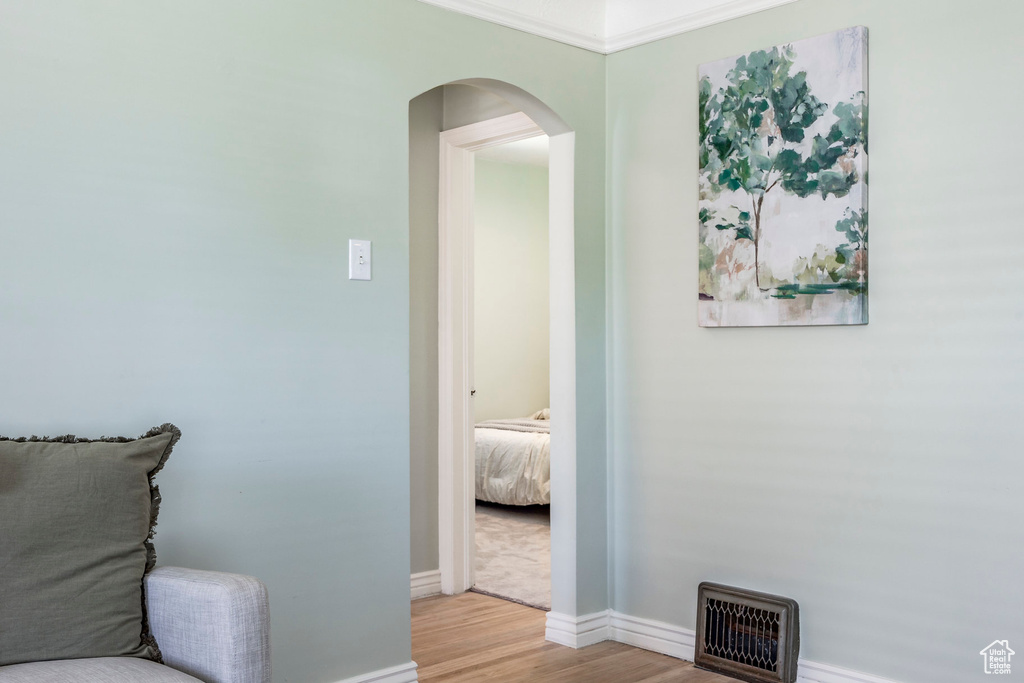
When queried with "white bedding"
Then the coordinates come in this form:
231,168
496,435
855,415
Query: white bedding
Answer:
513,462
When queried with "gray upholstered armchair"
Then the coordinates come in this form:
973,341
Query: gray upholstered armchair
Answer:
210,626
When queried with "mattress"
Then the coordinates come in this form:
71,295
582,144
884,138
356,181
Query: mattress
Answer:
513,462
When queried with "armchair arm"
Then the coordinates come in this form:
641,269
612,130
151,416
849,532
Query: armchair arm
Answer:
210,625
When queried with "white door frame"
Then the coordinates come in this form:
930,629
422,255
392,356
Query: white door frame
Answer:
456,476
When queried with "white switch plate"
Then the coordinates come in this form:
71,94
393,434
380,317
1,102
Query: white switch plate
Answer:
359,259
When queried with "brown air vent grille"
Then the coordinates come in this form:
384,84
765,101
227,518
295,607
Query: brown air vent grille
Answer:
747,635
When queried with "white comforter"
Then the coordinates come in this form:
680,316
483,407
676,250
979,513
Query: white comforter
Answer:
513,462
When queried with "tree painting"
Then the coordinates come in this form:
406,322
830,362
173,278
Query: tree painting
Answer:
783,201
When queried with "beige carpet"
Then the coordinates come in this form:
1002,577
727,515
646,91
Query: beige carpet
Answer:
513,553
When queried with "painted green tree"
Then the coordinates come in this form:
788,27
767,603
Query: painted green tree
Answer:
853,255
753,141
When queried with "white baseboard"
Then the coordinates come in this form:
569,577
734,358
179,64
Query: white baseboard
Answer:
403,673
669,639
577,632
425,583
657,636
813,672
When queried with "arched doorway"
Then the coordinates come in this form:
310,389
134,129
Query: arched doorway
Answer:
455,490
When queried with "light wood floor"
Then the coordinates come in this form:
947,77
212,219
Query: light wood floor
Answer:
472,638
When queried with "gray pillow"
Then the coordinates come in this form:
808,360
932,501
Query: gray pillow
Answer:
76,516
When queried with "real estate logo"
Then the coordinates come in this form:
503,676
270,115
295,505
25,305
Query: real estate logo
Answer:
997,657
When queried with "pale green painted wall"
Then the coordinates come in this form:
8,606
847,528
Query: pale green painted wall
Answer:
426,121
872,473
510,238
179,181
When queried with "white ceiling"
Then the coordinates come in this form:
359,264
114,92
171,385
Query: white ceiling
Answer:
606,25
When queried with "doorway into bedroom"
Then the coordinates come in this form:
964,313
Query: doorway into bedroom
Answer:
481,114
511,371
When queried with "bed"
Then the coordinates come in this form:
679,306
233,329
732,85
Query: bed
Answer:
513,460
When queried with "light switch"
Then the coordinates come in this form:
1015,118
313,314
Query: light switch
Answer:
359,259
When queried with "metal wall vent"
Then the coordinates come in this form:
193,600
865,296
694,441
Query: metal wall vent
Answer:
747,635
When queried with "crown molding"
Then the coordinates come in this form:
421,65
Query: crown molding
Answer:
688,22
614,42
522,22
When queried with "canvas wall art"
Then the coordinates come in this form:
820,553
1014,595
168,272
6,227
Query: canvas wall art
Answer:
783,185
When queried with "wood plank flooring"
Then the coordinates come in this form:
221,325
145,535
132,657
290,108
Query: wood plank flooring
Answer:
471,637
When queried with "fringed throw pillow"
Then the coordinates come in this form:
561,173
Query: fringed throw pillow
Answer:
76,519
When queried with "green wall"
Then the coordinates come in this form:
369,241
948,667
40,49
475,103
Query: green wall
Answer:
179,181
871,473
426,121
510,281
